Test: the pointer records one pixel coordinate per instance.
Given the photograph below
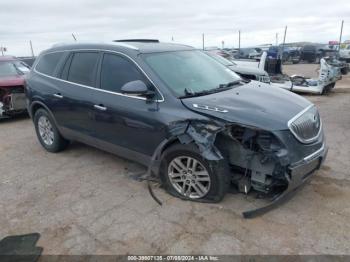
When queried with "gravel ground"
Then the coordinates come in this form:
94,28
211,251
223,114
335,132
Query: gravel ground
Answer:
84,201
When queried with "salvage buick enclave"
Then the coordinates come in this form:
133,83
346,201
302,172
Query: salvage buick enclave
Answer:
197,125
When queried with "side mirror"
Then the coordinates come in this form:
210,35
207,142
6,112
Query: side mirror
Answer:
137,87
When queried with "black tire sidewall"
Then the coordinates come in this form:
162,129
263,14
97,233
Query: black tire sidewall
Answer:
58,141
216,169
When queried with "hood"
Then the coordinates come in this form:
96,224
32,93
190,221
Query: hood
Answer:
248,70
17,80
253,104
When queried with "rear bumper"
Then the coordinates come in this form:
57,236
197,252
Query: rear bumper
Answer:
297,175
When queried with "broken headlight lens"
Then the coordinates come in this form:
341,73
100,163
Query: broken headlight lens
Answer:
256,139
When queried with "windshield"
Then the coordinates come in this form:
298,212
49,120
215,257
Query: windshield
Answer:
13,68
189,70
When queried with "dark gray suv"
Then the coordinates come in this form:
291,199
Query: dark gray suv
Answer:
196,124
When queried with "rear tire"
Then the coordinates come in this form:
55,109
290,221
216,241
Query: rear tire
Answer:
47,132
205,181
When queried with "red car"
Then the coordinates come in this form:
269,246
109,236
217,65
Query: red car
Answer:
12,97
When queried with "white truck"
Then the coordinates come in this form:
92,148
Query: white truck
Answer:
344,52
328,75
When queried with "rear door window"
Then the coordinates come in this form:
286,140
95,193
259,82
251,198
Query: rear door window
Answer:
83,68
47,63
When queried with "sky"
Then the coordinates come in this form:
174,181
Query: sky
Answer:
47,22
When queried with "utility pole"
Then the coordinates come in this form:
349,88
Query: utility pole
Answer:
341,34
239,41
203,40
172,38
276,39
222,44
284,41
31,47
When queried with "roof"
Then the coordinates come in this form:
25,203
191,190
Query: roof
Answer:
7,58
150,47
140,47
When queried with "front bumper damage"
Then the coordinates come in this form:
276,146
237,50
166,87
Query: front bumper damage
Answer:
207,136
11,101
297,175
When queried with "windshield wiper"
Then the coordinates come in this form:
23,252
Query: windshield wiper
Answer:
191,93
229,84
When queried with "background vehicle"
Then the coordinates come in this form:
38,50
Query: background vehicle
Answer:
342,65
244,71
328,76
344,53
192,121
314,53
249,53
220,52
12,98
310,53
255,53
273,51
27,60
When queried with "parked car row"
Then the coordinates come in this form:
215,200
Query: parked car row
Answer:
310,53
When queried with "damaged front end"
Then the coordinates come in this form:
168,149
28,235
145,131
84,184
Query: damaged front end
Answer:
269,164
12,100
262,162
258,160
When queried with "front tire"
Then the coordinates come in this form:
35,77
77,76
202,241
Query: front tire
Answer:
47,132
186,174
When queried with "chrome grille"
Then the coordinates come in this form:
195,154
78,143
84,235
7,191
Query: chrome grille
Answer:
264,79
306,126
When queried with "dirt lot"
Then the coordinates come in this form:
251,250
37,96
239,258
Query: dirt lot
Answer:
84,201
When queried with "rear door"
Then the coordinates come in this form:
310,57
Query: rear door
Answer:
77,93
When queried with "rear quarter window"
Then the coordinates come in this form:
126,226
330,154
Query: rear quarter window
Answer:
48,62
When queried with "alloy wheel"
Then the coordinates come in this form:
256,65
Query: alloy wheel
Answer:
189,177
46,130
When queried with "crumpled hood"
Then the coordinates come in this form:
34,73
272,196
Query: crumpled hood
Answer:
17,80
253,104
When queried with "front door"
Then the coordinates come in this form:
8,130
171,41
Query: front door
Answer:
131,122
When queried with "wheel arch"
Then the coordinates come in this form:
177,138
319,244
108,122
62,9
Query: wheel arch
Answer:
36,105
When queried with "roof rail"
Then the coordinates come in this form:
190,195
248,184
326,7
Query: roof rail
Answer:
125,45
115,43
138,40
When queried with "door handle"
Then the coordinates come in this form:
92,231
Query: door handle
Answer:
58,95
100,107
